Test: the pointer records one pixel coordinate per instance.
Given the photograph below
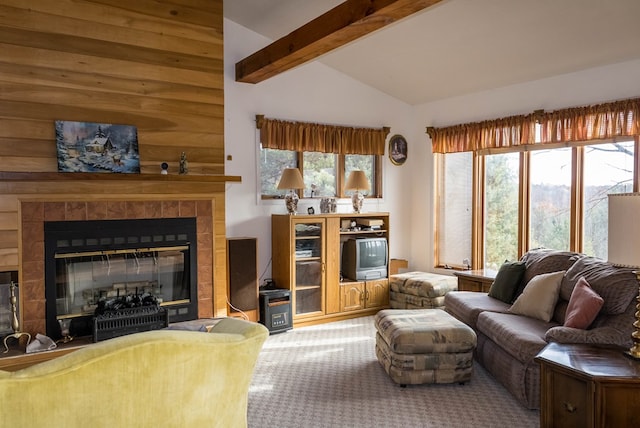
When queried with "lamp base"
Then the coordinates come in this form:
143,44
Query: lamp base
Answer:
291,202
631,354
356,201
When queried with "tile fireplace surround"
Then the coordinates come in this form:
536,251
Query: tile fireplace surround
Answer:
34,214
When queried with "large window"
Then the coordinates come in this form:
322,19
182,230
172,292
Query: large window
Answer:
455,211
552,197
608,168
324,174
501,209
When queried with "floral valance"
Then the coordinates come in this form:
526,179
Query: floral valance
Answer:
602,121
314,137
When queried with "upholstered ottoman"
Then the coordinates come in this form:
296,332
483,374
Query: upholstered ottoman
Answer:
420,290
424,346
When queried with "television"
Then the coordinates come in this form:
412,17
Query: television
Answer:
364,258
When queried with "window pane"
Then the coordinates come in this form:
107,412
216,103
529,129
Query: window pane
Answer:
608,169
272,163
364,163
454,228
319,174
550,199
501,209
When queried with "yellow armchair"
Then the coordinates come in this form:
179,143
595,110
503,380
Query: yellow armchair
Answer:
162,378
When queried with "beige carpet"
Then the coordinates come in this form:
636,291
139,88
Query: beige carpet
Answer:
328,376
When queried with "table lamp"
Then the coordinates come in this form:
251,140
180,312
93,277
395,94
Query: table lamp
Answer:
357,181
291,179
624,247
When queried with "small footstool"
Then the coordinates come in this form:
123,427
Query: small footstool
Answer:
418,346
420,290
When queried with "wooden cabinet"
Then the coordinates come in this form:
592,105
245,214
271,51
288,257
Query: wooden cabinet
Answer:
475,280
588,386
306,257
355,296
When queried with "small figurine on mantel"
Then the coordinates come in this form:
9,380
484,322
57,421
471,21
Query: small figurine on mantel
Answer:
184,164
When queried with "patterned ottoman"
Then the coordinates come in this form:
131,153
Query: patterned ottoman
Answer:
424,346
420,290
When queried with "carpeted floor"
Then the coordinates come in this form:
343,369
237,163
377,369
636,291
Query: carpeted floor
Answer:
328,376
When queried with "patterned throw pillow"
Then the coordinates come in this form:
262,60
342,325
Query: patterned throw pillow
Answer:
539,297
507,281
584,306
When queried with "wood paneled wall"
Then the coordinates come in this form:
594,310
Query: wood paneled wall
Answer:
157,65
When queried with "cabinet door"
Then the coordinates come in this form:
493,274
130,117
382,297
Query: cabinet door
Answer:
352,296
308,286
377,294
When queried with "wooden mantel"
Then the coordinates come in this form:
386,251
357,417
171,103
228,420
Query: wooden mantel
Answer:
79,176
337,27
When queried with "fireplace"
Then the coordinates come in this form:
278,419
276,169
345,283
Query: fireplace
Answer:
91,264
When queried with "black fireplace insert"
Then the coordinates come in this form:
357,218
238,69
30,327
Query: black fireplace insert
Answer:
92,263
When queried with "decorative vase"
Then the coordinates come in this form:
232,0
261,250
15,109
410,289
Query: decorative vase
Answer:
356,201
291,201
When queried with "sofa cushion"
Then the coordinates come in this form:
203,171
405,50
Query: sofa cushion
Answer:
544,261
507,281
583,307
616,285
539,297
520,336
467,305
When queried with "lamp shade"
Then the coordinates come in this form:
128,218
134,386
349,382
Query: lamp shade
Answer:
624,229
357,181
291,179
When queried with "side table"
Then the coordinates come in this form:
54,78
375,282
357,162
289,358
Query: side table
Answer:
588,386
475,280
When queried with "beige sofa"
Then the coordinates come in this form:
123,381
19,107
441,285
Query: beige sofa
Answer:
508,342
162,378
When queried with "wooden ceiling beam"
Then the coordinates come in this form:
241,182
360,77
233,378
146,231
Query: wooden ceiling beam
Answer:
337,27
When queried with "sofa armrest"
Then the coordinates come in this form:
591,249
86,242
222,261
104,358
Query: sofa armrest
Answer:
598,336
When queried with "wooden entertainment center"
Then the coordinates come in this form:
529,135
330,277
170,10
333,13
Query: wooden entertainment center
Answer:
306,252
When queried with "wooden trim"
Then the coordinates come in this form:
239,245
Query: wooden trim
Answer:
337,27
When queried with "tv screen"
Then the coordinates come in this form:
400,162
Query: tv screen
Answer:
364,258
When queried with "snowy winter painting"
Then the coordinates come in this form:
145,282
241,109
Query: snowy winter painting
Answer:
97,147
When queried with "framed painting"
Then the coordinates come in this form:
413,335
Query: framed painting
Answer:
97,147
397,149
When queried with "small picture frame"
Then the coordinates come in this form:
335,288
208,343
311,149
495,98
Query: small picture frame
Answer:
397,150
311,211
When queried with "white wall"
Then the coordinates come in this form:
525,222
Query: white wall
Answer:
310,93
316,93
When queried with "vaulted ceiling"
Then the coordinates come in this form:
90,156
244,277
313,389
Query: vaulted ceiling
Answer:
456,47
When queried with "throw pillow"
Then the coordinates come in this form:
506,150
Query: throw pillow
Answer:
539,297
584,306
507,281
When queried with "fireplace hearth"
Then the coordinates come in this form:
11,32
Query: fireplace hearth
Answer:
93,264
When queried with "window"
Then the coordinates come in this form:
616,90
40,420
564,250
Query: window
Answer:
455,185
562,203
324,174
501,209
550,199
608,169
272,162
366,163
319,173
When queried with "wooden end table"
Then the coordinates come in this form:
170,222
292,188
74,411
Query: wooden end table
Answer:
588,386
475,280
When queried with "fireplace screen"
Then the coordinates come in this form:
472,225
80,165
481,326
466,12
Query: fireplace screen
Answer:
85,279
118,264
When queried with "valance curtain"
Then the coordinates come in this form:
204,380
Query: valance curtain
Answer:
313,137
615,119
